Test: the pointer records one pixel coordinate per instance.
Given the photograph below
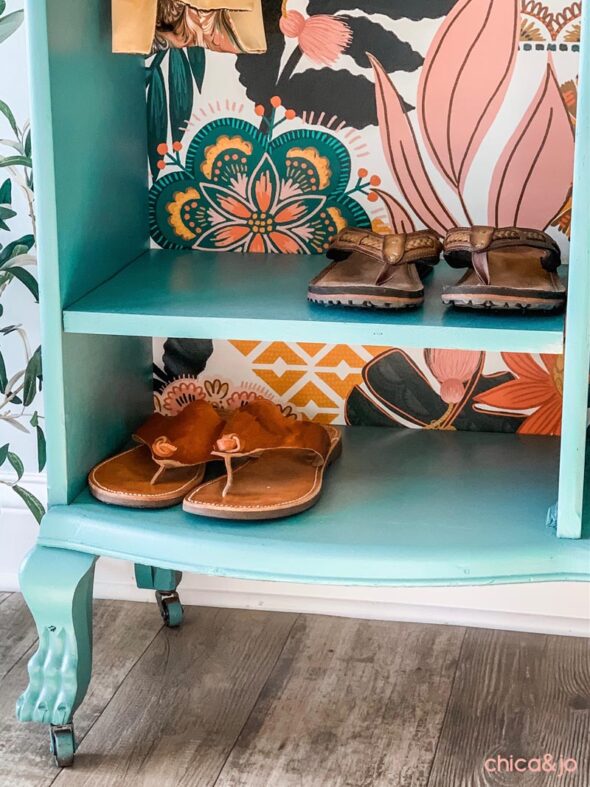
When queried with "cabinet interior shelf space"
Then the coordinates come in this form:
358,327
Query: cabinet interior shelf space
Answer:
403,507
253,296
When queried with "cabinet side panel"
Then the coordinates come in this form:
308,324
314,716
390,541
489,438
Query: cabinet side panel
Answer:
577,330
89,143
47,246
99,142
108,393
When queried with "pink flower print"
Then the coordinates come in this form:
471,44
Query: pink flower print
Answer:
452,368
321,37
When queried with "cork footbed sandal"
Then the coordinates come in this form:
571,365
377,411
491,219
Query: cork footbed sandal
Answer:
169,462
508,268
274,466
379,271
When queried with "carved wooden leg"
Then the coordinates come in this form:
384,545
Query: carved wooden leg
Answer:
164,581
57,586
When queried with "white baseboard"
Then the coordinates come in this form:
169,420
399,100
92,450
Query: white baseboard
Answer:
552,607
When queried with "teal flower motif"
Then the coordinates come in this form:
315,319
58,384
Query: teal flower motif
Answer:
241,190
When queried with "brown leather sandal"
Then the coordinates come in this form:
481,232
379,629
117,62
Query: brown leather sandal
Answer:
379,271
274,466
509,268
168,463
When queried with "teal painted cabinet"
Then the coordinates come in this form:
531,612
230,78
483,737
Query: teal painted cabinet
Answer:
401,508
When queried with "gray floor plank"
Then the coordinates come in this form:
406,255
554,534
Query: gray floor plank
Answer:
122,632
350,702
17,631
4,596
516,694
178,714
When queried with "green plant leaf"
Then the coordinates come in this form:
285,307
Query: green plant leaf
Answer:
41,448
27,279
2,6
7,112
6,192
10,23
9,250
17,251
28,143
3,453
32,374
35,506
6,213
3,375
41,444
15,161
196,59
157,111
16,463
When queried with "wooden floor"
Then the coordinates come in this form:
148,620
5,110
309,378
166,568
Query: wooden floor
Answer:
274,699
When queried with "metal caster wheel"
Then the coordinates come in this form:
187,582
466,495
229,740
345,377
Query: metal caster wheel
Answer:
171,609
62,744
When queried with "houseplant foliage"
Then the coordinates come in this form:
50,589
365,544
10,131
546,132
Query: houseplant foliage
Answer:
19,388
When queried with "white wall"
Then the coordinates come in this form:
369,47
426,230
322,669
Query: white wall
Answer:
18,304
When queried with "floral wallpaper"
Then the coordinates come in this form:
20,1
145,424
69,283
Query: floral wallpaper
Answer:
390,115
22,440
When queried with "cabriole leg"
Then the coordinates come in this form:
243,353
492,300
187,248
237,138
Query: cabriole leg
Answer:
164,581
57,586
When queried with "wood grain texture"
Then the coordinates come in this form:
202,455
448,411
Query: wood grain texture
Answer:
349,703
122,632
176,718
4,596
17,631
516,694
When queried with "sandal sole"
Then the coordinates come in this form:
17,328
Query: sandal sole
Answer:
278,512
365,301
487,301
127,499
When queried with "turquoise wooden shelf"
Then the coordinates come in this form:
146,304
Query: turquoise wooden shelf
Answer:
396,509
227,296
400,507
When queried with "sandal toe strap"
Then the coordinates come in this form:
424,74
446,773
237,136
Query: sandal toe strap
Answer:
260,427
391,250
466,247
182,440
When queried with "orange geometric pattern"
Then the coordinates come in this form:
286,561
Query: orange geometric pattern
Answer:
315,378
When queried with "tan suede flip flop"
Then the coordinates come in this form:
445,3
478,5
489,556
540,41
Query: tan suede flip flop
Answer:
379,271
508,268
168,463
275,466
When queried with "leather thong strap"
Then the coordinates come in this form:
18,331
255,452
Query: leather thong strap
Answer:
182,440
394,249
259,427
466,247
